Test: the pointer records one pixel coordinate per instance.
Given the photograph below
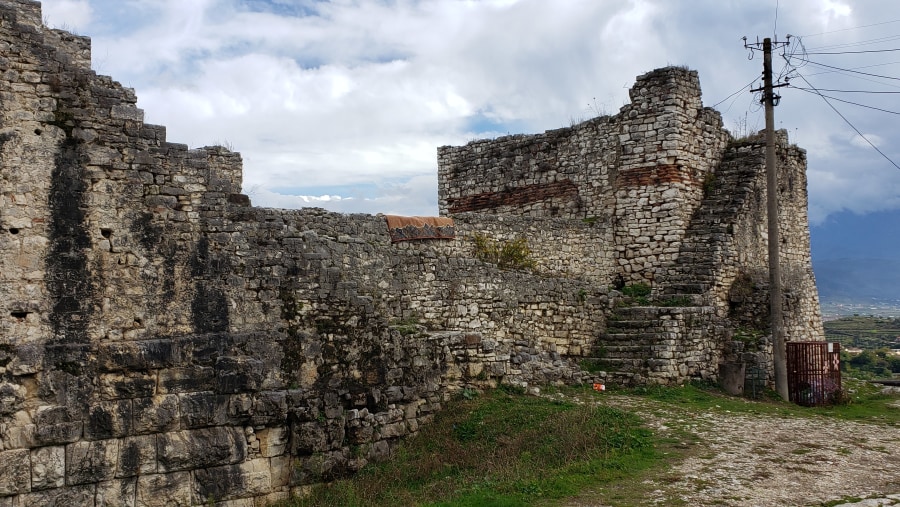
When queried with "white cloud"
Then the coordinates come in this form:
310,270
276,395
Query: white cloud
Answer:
330,94
867,141
72,15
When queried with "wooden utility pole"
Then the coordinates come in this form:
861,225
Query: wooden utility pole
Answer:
776,312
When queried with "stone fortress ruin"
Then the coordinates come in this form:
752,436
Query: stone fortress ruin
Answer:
163,342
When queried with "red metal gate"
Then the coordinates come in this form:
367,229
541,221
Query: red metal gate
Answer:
814,373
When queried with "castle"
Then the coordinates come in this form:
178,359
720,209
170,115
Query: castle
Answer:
163,342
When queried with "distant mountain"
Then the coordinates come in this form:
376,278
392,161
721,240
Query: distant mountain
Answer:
850,279
857,257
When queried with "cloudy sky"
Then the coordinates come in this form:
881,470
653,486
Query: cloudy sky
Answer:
342,104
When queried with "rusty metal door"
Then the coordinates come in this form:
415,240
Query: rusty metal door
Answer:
814,373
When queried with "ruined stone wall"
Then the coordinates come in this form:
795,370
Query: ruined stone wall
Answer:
164,343
641,171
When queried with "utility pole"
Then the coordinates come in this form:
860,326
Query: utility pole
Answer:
776,312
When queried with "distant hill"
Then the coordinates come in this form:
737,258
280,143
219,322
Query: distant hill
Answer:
857,257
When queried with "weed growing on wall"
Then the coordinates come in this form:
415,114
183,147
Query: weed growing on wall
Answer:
513,254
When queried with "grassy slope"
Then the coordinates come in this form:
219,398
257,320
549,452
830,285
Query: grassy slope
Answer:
503,448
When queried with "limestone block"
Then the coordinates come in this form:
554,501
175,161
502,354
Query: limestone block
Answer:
281,467
273,441
189,449
126,112
117,493
203,409
56,425
155,415
108,419
67,497
11,397
164,490
15,472
88,462
239,374
137,456
48,467
251,478
269,407
135,384
183,380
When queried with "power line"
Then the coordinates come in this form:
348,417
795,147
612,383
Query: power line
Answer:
748,85
775,30
852,28
854,52
858,43
866,139
845,101
848,70
846,91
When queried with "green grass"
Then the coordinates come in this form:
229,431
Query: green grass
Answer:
864,402
501,448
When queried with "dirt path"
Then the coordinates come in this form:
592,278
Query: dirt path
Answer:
740,459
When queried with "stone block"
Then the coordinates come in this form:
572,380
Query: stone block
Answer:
48,467
282,468
239,374
185,380
164,490
116,493
247,479
126,112
269,407
140,355
15,472
189,449
64,497
273,441
127,385
89,462
137,456
108,419
56,425
155,415
203,409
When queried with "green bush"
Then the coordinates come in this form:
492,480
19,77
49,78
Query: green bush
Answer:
513,254
636,290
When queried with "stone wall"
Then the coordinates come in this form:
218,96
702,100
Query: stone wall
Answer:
162,342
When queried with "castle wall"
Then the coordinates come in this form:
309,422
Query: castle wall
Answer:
640,171
162,342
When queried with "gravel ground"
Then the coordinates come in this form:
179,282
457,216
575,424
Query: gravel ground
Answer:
739,459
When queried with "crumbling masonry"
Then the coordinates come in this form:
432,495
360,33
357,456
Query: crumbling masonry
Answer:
162,342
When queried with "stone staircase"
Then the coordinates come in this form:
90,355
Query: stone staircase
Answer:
703,249
656,344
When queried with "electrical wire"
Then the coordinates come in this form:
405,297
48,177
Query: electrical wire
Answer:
817,92
854,52
775,29
858,43
748,85
853,28
847,91
866,139
848,70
